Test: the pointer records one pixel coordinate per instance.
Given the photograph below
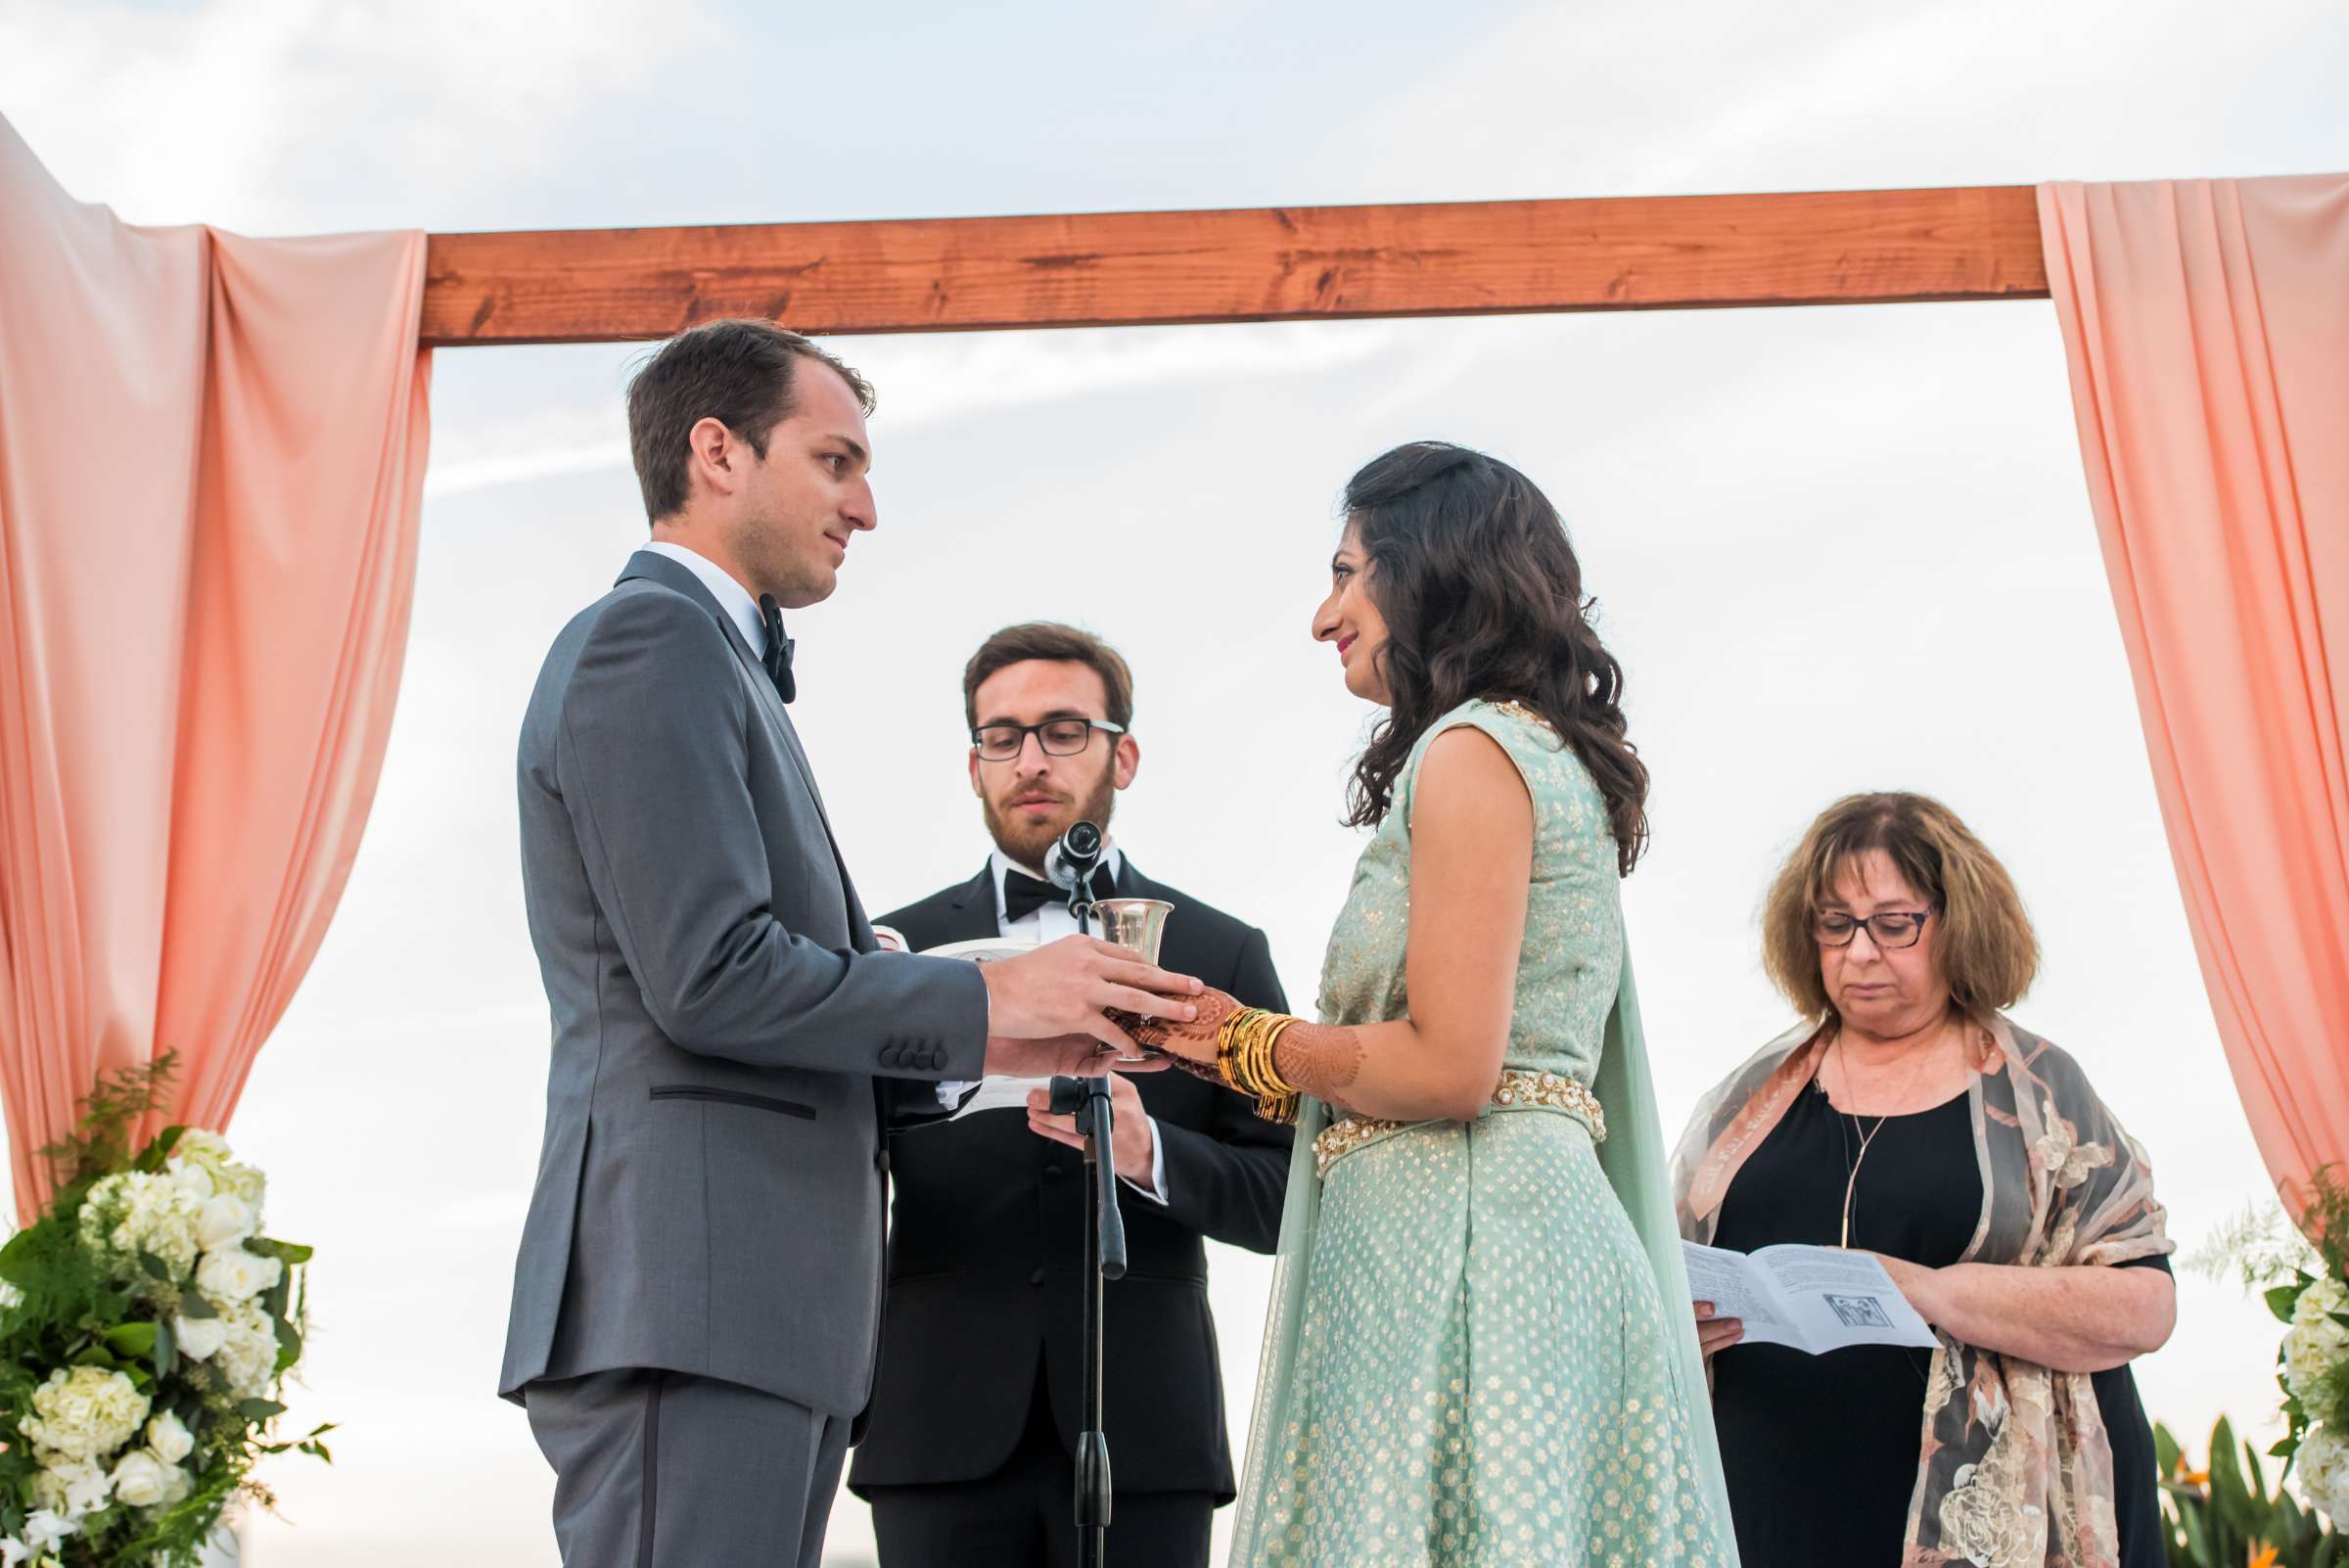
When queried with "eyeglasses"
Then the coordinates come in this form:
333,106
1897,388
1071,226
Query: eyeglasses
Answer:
1898,928
1059,737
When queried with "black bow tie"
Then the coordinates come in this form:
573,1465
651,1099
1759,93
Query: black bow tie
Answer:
778,648
1022,894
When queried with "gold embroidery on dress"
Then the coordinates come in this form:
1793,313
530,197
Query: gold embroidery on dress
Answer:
1518,1089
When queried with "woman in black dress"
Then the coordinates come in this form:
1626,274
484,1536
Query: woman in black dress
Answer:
1909,1118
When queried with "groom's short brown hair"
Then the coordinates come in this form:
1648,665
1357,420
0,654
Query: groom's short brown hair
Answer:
737,372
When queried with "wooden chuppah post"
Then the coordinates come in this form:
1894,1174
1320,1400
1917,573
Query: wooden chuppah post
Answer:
1260,264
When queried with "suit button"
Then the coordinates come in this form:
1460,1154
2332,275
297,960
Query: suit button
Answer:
1053,1173
1036,1277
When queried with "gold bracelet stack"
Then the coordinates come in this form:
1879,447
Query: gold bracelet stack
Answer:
1244,1055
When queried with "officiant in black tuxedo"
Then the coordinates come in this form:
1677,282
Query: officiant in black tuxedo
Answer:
977,1402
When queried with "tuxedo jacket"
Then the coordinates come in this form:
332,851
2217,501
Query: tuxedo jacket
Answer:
727,1042
987,1240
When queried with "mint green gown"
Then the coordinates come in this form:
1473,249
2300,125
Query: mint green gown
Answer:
1480,1349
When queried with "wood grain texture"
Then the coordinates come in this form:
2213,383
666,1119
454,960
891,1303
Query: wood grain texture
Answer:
1258,264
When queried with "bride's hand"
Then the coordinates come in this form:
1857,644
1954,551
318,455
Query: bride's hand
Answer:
1191,1042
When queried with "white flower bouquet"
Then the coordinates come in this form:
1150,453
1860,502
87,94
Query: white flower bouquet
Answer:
146,1322
2305,1272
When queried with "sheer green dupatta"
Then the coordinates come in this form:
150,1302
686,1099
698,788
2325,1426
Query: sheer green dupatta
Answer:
1638,1167
1633,1157
1269,1437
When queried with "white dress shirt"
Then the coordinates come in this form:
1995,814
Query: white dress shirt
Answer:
731,596
1050,923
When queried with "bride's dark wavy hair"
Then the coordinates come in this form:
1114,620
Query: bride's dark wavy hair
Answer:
1483,597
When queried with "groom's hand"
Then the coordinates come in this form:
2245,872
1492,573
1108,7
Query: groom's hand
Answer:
1066,988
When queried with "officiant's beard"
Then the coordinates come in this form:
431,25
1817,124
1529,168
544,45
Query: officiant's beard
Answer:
1026,842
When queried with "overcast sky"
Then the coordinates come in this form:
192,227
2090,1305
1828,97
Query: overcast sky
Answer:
1835,549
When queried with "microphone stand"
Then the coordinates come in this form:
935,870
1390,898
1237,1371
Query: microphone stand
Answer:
1087,1098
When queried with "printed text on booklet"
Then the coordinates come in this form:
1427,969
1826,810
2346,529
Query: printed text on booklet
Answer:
1814,1299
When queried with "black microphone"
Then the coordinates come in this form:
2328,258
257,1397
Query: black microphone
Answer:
1069,863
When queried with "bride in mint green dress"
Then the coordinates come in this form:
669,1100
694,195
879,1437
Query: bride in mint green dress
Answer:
1480,1350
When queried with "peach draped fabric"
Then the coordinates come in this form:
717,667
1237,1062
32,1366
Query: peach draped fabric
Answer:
212,455
2208,327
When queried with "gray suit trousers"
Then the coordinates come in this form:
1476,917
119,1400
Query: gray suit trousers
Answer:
658,1469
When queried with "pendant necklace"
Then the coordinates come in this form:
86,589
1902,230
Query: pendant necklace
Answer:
1851,1183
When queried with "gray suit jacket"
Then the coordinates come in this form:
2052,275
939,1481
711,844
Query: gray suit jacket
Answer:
727,1042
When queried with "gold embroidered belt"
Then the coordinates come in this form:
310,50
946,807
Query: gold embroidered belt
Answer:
1519,1090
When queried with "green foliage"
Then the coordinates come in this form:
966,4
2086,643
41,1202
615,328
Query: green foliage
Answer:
2326,1220
2254,1249
2225,1517
100,1141
74,1301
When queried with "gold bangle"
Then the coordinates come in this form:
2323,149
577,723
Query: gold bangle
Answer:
1245,1046
1262,1079
1269,1076
1227,1042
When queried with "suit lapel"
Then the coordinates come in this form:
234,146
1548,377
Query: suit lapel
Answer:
860,929
658,568
971,908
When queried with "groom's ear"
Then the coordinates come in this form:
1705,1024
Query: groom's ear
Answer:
1127,762
713,456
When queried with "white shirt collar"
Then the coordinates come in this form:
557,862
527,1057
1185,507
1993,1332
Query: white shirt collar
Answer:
731,596
1000,863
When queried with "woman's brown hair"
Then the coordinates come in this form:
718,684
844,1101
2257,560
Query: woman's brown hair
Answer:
1483,597
1983,939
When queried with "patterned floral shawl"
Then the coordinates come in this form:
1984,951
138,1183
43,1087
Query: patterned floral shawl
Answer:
2016,1472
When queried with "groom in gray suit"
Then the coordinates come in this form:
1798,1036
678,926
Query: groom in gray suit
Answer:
699,1285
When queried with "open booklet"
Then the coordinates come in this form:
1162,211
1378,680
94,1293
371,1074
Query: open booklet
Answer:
1814,1299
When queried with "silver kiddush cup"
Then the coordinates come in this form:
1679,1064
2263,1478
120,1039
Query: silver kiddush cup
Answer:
1135,924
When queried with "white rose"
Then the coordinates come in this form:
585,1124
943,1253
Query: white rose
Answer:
2322,1297
177,1485
2309,1352
207,1151
233,1275
248,1359
194,1179
2316,1341
139,1479
198,1337
225,1219
168,1436
246,1181
209,1154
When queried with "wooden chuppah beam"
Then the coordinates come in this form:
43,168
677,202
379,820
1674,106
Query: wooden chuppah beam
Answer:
1260,264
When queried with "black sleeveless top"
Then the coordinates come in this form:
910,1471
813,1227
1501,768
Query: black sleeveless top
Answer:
1822,1452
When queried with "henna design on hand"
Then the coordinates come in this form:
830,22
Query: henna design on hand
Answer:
1150,1032
1215,1007
1196,1033
1318,1058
